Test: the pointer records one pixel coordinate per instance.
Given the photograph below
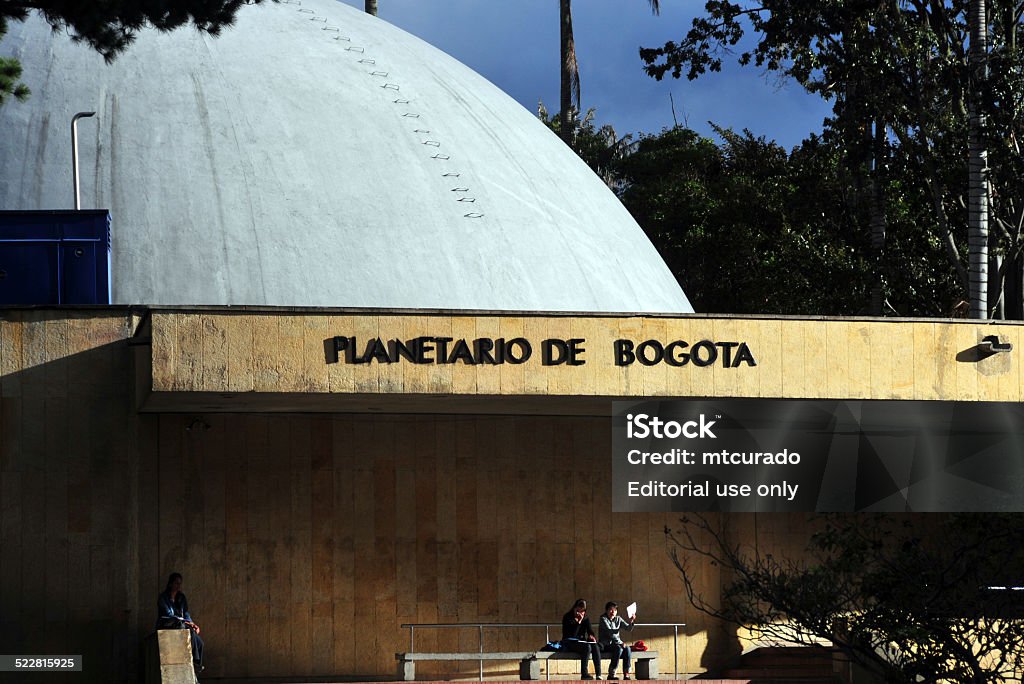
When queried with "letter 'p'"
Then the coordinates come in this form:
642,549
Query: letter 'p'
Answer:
335,345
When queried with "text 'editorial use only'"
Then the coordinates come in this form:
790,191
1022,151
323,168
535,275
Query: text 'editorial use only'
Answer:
817,455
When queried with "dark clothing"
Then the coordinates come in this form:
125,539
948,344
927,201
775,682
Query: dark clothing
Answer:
576,630
586,649
173,614
617,651
575,637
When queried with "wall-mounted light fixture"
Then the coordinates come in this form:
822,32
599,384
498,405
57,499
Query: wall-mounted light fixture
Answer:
991,344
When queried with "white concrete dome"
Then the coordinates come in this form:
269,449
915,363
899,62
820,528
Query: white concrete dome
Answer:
313,155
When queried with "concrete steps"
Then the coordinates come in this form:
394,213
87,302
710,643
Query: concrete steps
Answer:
786,665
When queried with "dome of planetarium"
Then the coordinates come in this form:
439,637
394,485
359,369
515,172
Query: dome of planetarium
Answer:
312,155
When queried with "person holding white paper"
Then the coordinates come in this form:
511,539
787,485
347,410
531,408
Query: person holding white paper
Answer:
611,642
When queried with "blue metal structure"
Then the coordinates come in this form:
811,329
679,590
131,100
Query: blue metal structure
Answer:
54,257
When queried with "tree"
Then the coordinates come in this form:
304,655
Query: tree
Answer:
601,148
897,72
10,76
745,226
110,27
569,81
977,193
912,599
748,228
371,7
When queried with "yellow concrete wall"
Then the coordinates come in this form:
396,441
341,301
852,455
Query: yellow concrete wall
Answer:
69,580
306,540
796,358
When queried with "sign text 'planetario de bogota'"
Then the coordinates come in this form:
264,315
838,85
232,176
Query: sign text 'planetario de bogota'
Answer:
553,351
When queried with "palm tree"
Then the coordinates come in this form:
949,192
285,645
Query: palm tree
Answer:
570,81
569,101
977,190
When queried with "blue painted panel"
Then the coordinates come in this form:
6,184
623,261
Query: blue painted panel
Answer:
29,272
54,257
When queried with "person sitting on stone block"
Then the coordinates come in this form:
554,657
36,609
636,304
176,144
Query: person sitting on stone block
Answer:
172,613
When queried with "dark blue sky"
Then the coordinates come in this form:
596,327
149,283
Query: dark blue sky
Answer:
515,46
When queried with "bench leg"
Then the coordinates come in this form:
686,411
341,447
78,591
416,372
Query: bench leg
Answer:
529,669
406,670
647,668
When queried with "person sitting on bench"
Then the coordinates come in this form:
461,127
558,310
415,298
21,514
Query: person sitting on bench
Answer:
611,642
578,636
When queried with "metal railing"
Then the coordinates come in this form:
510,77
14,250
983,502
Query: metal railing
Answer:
479,626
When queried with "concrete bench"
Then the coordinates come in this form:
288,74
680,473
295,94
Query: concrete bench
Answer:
407,661
645,662
168,657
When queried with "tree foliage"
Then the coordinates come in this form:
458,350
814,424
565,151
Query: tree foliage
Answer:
748,227
745,226
10,80
600,147
109,27
920,599
898,76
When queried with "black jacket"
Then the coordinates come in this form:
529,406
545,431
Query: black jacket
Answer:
576,630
